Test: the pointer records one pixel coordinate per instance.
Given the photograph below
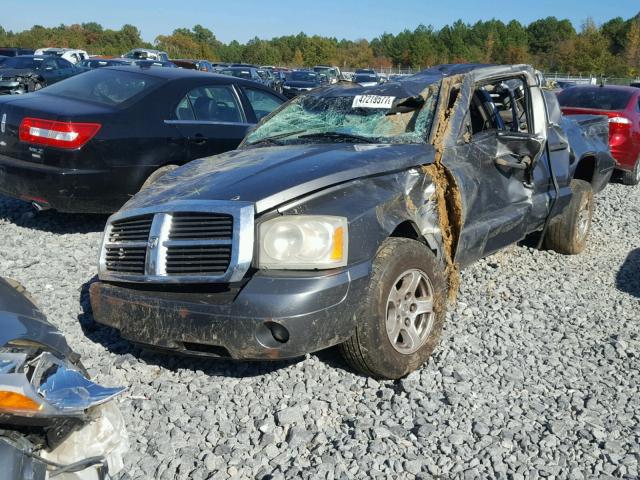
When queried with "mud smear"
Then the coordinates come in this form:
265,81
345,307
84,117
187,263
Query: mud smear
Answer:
447,191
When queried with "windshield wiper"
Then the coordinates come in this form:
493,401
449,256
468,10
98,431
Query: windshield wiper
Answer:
272,139
340,135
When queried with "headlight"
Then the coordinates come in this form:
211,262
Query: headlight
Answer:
303,242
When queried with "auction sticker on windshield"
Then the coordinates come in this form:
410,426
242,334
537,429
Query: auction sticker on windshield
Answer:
372,101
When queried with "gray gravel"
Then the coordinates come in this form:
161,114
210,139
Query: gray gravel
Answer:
537,374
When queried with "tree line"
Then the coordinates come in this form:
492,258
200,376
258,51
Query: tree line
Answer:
551,44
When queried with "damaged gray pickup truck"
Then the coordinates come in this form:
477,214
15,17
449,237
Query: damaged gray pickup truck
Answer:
345,216
54,421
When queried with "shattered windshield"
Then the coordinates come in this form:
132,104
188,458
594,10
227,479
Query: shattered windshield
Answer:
348,117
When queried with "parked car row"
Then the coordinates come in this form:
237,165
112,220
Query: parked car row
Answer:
89,143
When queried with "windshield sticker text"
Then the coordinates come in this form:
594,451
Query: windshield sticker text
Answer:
372,101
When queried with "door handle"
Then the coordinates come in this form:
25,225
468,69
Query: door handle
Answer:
507,161
198,139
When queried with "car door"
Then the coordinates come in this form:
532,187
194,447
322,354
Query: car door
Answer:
66,69
260,102
49,70
211,119
503,161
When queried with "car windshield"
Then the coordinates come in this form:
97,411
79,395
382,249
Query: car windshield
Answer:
349,118
303,77
597,98
238,73
23,62
326,70
365,78
105,86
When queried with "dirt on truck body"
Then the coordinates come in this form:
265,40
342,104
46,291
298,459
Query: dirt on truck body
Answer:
346,215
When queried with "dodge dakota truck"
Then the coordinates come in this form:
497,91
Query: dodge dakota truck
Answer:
345,216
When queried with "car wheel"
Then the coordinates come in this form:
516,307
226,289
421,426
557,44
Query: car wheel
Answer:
632,177
568,232
400,320
153,178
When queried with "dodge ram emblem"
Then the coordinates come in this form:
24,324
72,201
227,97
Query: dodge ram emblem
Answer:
152,243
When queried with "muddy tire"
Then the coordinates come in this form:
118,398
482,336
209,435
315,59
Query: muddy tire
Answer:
631,177
568,233
400,319
153,178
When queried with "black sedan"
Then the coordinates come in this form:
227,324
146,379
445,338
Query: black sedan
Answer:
301,81
89,143
28,73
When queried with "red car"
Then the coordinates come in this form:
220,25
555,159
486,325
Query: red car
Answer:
622,106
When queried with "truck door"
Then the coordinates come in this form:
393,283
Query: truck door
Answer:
504,164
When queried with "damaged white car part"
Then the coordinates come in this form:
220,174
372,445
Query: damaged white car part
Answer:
54,421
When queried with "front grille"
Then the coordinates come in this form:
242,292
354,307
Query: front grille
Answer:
200,225
195,242
123,259
198,259
135,229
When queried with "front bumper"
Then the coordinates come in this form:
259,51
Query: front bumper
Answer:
315,310
67,189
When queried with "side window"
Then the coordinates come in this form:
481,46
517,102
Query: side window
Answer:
500,106
216,103
49,63
184,110
263,103
62,63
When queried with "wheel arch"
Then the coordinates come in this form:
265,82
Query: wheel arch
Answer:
409,229
586,167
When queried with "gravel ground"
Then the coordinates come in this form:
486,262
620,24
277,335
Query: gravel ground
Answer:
537,374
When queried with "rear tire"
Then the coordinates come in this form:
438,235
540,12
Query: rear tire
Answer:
568,232
632,177
155,176
394,309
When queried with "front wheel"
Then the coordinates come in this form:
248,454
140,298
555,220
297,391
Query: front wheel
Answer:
401,317
569,231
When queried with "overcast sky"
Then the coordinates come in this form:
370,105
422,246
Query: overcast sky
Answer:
244,19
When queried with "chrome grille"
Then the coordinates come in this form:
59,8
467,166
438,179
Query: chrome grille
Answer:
199,259
131,229
185,241
125,259
197,225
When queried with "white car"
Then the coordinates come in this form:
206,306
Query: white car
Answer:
146,54
73,55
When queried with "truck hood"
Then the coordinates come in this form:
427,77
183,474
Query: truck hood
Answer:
271,176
